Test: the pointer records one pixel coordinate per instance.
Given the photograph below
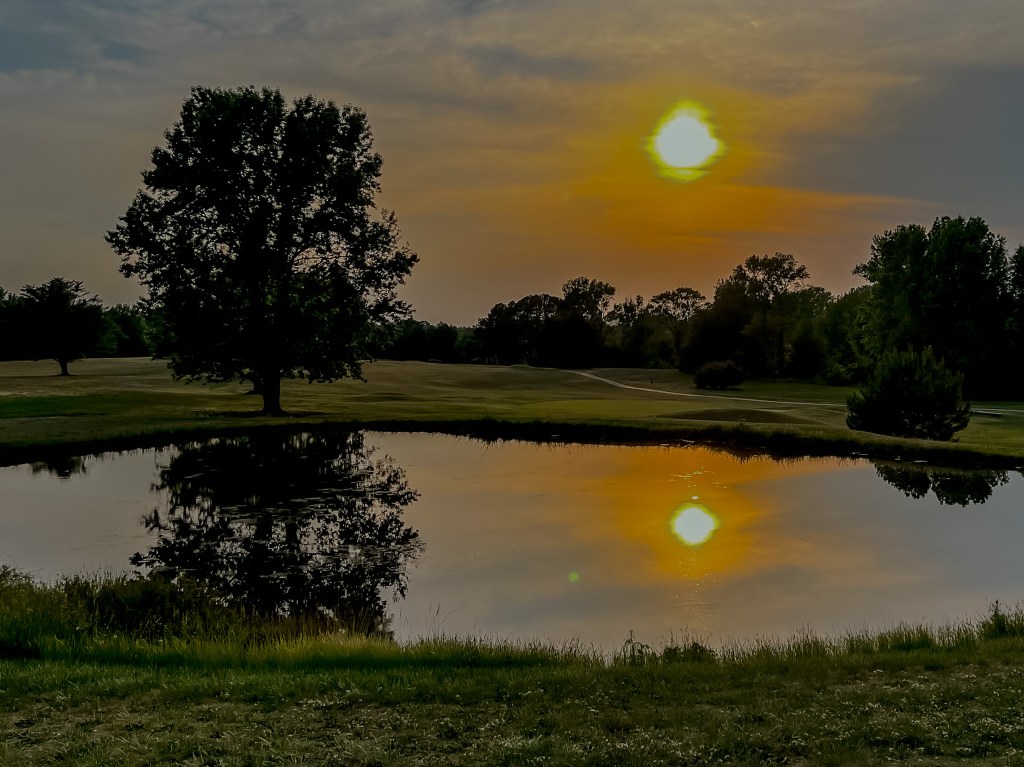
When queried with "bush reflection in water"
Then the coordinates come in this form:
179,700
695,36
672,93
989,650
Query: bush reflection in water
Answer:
950,486
304,526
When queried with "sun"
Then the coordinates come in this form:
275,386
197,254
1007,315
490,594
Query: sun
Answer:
694,525
683,144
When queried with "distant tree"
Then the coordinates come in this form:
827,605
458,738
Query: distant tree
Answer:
843,327
808,356
679,304
586,298
806,353
632,328
771,284
1015,318
256,238
417,340
770,277
671,313
911,394
511,333
60,321
10,335
720,374
946,288
716,331
129,331
575,336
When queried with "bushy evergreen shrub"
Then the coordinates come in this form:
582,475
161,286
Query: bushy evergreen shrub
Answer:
718,375
911,394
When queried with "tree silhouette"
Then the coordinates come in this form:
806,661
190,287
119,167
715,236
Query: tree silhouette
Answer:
770,283
299,525
256,238
61,321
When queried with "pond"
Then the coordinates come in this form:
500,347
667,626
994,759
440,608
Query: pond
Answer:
513,540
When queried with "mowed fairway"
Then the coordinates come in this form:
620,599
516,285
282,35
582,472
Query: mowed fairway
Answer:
121,400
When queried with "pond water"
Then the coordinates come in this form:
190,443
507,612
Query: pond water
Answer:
525,541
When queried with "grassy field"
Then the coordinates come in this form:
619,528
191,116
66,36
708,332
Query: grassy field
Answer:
135,402
228,694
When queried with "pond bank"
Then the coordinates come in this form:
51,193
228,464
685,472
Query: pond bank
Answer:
127,404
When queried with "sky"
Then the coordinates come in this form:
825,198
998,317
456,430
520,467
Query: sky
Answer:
515,133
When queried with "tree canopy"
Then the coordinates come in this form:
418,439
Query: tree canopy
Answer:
59,320
945,287
257,238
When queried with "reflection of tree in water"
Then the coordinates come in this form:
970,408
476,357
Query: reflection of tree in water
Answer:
950,486
299,525
62,467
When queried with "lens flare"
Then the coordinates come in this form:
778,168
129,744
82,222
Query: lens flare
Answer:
683,144
694,524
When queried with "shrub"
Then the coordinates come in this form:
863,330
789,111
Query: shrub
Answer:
718,375
911,394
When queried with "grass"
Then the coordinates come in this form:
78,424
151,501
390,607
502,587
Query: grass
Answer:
912,694
127,403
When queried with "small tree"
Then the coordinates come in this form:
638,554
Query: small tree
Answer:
911,394
61,321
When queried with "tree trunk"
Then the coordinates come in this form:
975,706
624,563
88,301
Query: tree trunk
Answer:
64,367
271,392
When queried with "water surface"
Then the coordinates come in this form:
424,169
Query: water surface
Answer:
518,540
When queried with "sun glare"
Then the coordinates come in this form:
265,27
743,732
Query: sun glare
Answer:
694,524
683,144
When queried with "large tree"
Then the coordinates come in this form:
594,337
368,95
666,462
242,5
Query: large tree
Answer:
258,241
946,287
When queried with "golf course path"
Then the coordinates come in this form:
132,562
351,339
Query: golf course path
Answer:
829,405
727,397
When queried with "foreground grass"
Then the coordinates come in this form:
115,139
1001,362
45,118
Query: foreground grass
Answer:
912,696
110,403
84,682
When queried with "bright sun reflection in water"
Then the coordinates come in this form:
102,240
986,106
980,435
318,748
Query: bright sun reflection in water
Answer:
694,524
683,143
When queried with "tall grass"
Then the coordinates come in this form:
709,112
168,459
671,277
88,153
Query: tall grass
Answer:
149,619
136,615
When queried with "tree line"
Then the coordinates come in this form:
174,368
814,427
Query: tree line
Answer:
954,288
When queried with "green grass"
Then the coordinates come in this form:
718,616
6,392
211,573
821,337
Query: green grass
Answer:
123,403
912,694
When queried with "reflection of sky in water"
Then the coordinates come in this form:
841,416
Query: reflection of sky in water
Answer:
563,542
